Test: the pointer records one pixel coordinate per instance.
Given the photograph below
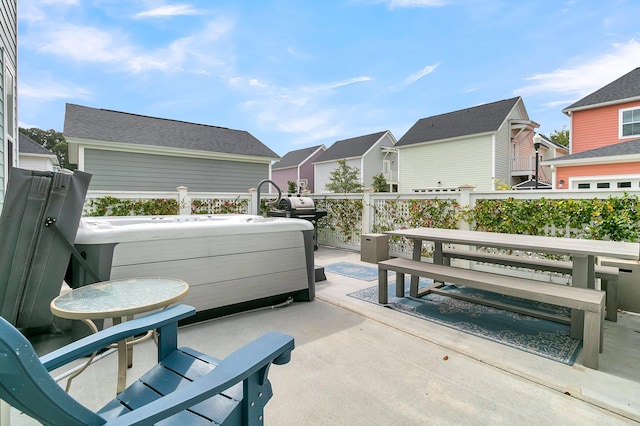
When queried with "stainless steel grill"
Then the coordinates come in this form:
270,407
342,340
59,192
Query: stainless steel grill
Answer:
300,208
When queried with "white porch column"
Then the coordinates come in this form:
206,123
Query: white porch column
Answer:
253,201
184,200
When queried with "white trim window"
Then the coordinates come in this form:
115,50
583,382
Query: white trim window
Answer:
629,122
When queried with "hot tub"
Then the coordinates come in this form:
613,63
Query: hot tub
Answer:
231,262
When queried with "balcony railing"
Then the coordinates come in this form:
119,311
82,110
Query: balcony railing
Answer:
390,176
525,163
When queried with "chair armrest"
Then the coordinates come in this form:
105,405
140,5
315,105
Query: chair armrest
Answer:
250,359
103,338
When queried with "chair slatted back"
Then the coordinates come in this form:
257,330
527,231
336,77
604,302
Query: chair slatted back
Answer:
28,386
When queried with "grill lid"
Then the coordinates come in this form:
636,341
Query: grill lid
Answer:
297,204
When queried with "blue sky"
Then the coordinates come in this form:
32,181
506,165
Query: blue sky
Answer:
300,73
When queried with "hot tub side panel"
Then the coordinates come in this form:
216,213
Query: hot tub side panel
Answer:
222,270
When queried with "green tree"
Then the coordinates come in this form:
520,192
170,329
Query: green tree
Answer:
561,137
344,179
292,187
53,140
380,183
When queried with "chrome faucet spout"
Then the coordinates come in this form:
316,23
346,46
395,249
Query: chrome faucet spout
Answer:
271,203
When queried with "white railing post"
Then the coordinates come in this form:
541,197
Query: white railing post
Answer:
465,201
253,201
184,200
367,210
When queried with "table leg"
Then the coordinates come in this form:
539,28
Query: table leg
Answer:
122,361
94,329
417,255
438,258
582,275
130,348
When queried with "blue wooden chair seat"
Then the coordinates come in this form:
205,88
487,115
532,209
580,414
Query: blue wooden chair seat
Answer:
184,388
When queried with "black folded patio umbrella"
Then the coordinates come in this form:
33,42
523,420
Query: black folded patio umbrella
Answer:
38,225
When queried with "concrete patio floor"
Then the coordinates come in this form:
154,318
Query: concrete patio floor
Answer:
357,363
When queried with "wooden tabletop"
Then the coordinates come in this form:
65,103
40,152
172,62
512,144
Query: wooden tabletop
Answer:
534,243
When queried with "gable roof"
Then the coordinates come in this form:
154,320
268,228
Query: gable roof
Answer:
615,150
350,148
114,126
624,89
469,121
29,146
295,158
546,141
531,184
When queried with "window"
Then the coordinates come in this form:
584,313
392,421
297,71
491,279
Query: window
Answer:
624,184
603,185
629,122
584,185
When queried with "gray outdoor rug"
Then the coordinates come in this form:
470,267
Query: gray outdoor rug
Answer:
534,335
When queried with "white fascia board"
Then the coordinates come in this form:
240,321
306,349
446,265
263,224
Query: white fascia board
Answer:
170,151
471,136
633,158
568,111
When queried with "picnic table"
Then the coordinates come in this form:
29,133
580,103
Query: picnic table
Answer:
582,252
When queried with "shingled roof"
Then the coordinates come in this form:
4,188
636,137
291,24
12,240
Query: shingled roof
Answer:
350,148
615,150
469,121
113,126
624,89
29,146
295,158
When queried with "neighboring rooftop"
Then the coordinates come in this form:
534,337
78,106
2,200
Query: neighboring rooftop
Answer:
624,89
350,148
469,121
82,122
295,158
618,149
29,146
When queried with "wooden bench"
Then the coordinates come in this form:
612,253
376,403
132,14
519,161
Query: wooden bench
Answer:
588,300
607,274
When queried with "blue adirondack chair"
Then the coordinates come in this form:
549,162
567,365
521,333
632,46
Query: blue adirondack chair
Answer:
185,387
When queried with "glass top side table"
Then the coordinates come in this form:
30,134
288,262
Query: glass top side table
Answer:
118,300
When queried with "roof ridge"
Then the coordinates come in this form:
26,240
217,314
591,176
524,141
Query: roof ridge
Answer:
473,107
158,118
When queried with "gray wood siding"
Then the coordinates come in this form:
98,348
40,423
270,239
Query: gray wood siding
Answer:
126,171
323,173
373,161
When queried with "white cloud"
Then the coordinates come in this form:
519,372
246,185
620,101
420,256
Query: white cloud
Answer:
197,52
584,78
395,4
334,85
81,43
299,111
47,90
34,10
168,10
418,75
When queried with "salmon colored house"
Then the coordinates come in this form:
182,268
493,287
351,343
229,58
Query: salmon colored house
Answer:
605,139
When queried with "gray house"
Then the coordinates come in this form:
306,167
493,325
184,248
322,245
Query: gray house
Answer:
125,151
482,146
8,90
371,154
